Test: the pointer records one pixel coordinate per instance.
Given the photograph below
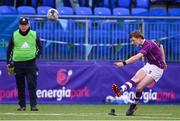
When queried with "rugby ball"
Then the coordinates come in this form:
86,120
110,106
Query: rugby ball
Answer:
52,14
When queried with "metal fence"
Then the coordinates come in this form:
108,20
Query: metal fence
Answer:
104,37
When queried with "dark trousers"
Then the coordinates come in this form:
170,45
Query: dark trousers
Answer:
26,71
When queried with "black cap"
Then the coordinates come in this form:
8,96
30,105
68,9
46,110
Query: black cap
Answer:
23,21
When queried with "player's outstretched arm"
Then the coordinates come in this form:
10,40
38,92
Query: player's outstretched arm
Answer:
134,58
130,60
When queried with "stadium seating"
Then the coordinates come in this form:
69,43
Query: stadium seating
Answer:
139,11
101,11
7,10
42,10
124,3
66,25
158,12
121,12
163,23
101,29
174,11
26,10
65,10
80,25
119,32
142,3
83,11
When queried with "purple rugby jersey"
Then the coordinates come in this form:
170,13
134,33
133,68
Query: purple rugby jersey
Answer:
151,50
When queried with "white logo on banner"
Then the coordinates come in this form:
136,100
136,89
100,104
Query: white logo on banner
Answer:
25,45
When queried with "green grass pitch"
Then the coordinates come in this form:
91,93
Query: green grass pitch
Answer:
90,112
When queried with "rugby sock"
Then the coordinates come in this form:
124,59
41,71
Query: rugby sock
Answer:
137,97
128,85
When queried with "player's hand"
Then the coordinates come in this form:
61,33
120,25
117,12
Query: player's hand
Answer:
119,64
10,69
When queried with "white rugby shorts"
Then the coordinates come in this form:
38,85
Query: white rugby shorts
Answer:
153,71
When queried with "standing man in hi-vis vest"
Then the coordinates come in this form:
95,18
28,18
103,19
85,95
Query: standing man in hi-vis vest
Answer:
23,49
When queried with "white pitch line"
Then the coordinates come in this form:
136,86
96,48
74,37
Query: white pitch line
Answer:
161,118
166,116
90,120
54,114
155,114
80,114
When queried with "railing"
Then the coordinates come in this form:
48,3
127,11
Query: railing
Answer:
104,37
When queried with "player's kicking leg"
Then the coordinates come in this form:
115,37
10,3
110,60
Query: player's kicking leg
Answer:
119,91
132,108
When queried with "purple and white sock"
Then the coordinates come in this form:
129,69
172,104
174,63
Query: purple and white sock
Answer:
137,97
128,85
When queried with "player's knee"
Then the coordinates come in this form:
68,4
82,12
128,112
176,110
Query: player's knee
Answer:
135,79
